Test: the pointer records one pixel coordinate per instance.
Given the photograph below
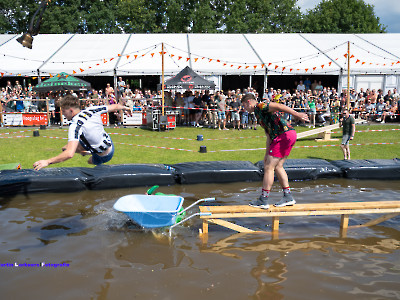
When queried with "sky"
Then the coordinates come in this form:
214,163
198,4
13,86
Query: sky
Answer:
388,11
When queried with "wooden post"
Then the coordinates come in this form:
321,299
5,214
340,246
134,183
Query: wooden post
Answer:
344,224
162,80
205,227
275,224
48,111
348,76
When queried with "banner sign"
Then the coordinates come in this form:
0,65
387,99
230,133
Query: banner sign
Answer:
25,119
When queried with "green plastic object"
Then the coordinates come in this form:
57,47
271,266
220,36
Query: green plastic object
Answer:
10,166
152,191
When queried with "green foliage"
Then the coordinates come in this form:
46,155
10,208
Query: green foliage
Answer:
337,16
196,16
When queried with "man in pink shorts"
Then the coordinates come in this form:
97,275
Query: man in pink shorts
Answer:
281,137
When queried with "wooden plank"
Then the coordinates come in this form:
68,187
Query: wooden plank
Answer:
376,221
303,207
230,225
205,227
300,213
323,129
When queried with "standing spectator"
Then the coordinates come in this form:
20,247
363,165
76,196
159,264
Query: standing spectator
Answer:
120,87
301,86
349,128
212,113
235,107
221,103
307,83
109,90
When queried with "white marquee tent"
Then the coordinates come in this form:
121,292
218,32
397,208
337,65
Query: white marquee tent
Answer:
374,58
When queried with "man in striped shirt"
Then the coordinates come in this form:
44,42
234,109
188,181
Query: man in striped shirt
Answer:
86,134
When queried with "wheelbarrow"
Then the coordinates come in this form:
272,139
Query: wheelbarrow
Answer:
156,211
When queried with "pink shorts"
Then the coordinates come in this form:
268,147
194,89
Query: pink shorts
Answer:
283,144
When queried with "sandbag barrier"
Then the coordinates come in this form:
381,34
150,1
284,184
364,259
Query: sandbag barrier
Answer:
66,180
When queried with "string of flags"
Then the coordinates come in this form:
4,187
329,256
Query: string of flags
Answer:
194,58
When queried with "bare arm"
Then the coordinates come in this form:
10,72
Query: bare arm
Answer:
63,156
273,107
116,107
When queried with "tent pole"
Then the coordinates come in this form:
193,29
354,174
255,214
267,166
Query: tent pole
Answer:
348,75
162,79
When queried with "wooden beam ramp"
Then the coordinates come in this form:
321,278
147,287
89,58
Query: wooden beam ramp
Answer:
324,133
218,214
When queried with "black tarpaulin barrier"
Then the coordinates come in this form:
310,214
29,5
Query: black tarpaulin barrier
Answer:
104,177
216,172
307,169
51,180
369,168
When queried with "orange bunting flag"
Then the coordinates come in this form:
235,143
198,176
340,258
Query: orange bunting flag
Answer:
255,67
81,69
127,57
269,64
152,54
231,66
90,67
172,55
51,76
314,68
179,57
195,60
283,69
262,66
105,61
357,61
97,64
218,60
239,67
143,54
345,55
290,70
224,65
322,66
276,67
2,74
330,63
58,75
66,76
187,58
398,62
247,67
306,70
111,58
135,56
352,56
210,59
337,58
34,77
363,62
119,54
43,77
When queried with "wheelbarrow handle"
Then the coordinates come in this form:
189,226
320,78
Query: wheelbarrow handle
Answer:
197,202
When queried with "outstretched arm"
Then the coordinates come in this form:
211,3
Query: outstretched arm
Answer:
63,156
273,107
116,107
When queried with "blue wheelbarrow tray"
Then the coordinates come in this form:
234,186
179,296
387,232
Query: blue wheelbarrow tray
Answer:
155,211
150,211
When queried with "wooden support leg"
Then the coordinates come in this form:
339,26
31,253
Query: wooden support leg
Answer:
344,224
275,224
205,227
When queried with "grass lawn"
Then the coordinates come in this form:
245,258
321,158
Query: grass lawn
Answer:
137,145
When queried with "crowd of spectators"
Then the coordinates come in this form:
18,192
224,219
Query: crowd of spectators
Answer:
217,109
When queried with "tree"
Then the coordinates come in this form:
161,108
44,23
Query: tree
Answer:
337,16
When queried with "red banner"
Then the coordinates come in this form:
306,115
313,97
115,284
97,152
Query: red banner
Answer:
31,119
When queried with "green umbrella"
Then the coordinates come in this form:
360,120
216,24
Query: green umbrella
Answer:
62,82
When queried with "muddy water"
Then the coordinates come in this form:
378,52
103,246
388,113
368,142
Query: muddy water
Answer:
104,257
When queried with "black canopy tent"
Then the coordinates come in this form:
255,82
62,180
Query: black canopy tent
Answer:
187,79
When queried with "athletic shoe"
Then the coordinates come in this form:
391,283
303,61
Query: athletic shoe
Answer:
287,200
261,202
